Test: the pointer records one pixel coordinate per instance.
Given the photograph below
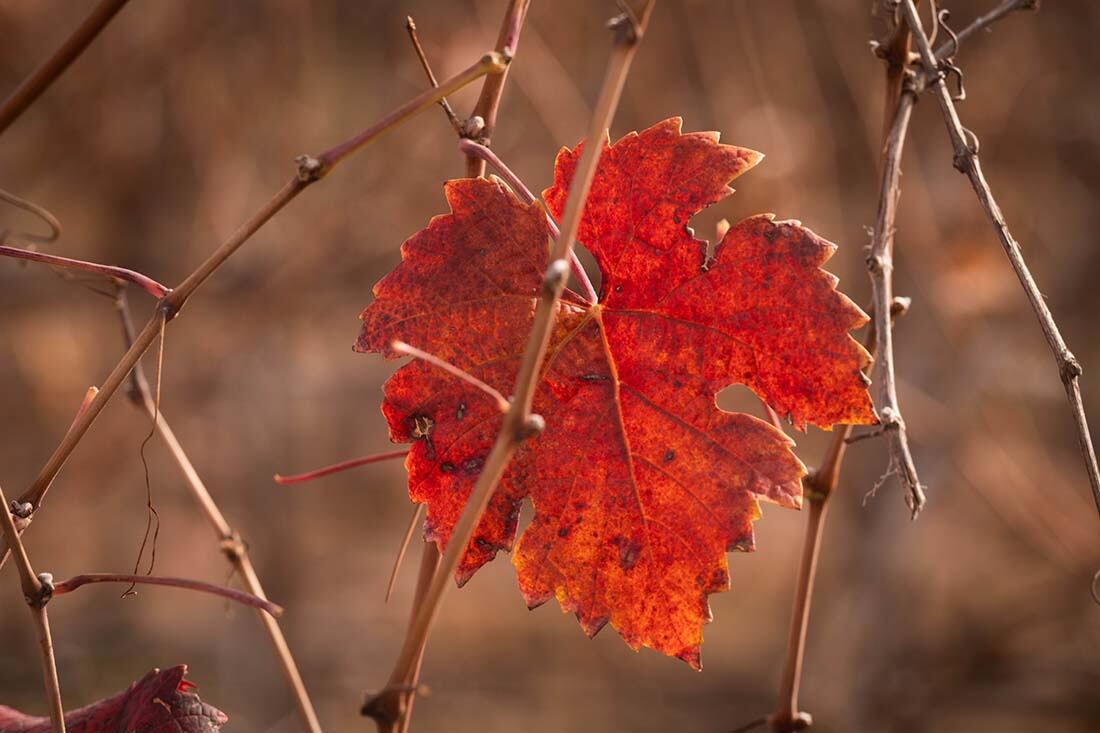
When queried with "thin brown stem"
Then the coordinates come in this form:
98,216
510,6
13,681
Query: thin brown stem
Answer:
410,26
41,78
951,46
230,542
339,467
310,169
413,521
144,282
880,263
519,423
36,594
818,488
469,147
966,161
245,599
40,212
488,103
403,348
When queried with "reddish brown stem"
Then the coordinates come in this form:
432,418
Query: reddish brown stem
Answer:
40,80
488,103
144,282
246,599
338,467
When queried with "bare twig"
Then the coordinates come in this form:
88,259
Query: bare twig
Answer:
410,26
37,594
982,22
469,147
966,161
818,487
339,467
144,282
230,542
484,115
309,170
880,263
413,521
403,348
39,81
388,706
245,599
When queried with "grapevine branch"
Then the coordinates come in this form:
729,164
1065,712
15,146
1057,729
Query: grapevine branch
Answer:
41,212
519,422
232,545
246,599
144,282
880,263
45,75
966,160
951,46
818,488
34,592
309,170
483,120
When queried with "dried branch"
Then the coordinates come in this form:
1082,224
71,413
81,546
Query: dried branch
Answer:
483,119
965,145
36,594
40,80
245,599
469,147
144,282
310,170
230,542
389,706
413,521
982,22
410,26
880,263
818,487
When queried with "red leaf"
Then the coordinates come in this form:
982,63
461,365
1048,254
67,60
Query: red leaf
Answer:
161,701
640,483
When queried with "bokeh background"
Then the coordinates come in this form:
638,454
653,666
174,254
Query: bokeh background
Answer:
184,117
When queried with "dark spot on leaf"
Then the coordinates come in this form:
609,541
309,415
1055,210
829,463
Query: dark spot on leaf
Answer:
563,532
618,288
461,412
676,218
628,554
669,455
473,465
483,544
446,467
594,377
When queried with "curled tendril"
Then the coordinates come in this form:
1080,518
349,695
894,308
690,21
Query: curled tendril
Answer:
32,208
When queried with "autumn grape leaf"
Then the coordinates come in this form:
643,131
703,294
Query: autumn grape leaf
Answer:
640,483
160,702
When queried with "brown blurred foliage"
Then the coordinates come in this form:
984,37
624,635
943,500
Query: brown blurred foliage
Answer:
183,117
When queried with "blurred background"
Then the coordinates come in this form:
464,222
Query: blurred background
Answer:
184,117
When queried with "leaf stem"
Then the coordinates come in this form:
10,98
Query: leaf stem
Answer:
41,78
144,282
338,467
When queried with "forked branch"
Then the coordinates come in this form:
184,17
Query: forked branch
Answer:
965,145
